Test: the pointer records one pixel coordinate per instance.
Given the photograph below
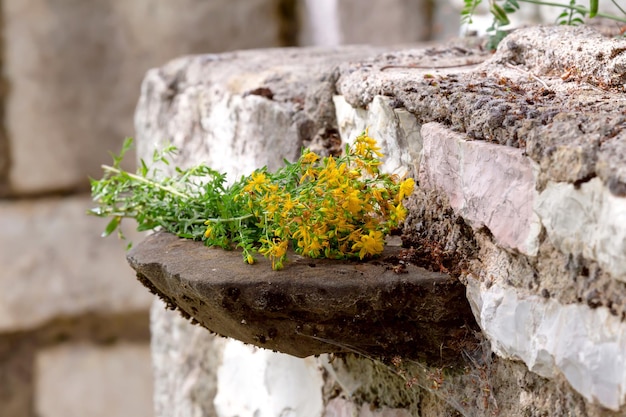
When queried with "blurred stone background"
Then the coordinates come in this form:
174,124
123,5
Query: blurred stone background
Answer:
74,322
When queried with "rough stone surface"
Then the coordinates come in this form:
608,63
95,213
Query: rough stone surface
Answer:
396,131
489,185
252,107
587,220
275,384
312,306
600,60
67,374
487,385
585,345
340,407
185,359
81,87
561,119
55,264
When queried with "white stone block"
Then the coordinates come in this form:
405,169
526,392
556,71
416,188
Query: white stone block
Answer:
396,131
75,380
587,220
185,360
587,346
255,382
489,185
55,264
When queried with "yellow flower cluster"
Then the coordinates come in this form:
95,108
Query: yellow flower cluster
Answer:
326,207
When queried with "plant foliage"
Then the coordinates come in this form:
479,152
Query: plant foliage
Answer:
329,207
573,14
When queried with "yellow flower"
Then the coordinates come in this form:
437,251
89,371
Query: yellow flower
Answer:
309,157
313,249
406,188
365,146
352,202
400,213
275,250
371,244
207,232
258,181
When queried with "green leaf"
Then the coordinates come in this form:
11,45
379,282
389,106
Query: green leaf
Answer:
593,8
499,14
113,224
144,168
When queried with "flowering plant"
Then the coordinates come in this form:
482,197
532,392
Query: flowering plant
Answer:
339,208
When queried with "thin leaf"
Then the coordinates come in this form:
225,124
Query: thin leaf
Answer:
499,14
593,8
113,224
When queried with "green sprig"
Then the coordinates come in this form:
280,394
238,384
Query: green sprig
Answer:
573,14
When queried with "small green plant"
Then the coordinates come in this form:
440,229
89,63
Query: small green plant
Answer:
573,14
337,208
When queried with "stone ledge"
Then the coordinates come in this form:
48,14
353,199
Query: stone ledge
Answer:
312,306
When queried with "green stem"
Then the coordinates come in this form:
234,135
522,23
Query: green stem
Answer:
581,9
146,181
230,219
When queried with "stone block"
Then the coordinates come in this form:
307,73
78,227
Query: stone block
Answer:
396,131
240,111
185,360
55,264
383,23
489,185
312,306
585,345
275,384
587,220
95,381
76,69
349,22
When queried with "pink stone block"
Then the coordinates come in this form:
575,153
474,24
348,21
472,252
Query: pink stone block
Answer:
489,185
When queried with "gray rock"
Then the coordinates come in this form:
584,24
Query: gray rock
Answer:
312,306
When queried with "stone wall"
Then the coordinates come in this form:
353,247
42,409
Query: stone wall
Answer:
519,159
74,322
70,308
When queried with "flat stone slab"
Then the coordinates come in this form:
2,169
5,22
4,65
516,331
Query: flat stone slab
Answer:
383,307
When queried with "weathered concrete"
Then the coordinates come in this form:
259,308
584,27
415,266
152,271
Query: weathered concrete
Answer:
312,306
